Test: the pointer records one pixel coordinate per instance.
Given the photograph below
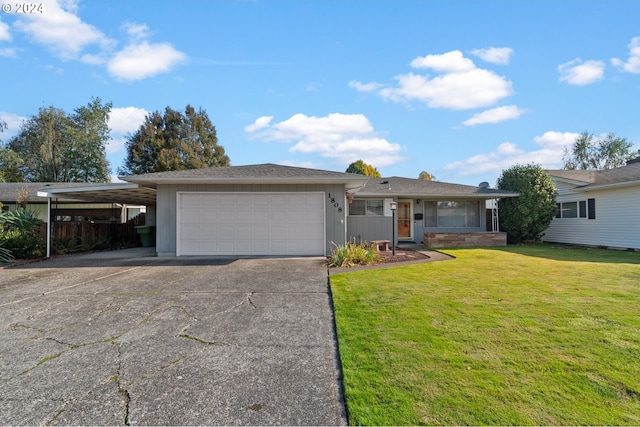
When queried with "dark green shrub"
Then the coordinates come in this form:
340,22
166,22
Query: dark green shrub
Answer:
525,218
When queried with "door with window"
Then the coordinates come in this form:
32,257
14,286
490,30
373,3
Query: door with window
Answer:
404,220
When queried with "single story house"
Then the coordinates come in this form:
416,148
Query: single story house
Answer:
270,209
597,207
65,209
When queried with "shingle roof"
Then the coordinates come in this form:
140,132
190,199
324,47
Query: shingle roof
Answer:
623,175
262,173
397,186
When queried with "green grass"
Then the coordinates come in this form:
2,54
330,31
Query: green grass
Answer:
523,335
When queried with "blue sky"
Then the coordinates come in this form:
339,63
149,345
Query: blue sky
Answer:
460,89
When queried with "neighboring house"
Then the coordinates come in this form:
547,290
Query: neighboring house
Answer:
64,209
597,207
269,209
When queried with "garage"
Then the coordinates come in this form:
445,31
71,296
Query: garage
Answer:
260,223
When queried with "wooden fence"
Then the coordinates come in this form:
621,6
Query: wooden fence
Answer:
74,236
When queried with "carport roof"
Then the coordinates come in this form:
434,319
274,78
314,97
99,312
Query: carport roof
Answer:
125,193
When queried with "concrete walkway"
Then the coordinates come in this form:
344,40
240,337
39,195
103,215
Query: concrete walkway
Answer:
127,338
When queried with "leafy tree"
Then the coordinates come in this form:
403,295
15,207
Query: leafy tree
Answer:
9,162
362,168
53,146
426,176
173,141
588,152
525,218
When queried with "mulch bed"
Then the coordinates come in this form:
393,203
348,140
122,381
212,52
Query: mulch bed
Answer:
402,255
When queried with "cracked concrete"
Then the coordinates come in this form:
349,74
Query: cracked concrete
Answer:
125,340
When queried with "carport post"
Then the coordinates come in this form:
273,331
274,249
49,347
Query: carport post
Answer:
48,196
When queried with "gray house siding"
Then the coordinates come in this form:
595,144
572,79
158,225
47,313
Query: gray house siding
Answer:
368,228
166,214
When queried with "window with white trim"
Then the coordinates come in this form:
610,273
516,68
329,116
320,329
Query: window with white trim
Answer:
452,213
579,209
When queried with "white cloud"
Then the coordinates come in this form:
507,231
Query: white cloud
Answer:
450,62
475,88
126,119
461,85
342,137
581,73
8,52
4,32
139,61
633,63
122,121
365,87
13,122
136,31
495,55
61,30
549,155
260,123
495,115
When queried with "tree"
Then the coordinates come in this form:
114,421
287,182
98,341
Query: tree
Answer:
525,218
589,152
362,168
53,146
173,141
426,176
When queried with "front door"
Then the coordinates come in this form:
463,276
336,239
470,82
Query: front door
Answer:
404,220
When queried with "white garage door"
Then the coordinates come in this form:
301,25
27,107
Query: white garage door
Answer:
251,224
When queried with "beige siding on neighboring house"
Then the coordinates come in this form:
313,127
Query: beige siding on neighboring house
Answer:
617,222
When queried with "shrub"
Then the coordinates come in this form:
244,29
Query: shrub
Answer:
18,233
350,254
525,218
5,254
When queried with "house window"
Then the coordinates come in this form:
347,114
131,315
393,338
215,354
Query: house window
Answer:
591,208
365,207
452,214
582,211
570,210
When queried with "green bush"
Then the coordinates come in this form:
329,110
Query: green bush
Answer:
350,254
18,234
526,217
23,244
67,245
6,256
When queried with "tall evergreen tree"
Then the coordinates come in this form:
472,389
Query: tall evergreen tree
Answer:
173,141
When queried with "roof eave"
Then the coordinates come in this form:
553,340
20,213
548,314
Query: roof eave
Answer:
595,187
350,182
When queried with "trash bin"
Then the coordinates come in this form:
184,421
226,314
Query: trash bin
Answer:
147,235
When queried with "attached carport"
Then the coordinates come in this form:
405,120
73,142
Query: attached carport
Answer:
121,193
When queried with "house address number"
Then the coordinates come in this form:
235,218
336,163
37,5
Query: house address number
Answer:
335,204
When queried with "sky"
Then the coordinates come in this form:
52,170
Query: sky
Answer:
460,89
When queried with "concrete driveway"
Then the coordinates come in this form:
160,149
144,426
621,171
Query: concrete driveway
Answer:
127,338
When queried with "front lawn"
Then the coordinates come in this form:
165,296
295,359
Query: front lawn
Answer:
523,335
